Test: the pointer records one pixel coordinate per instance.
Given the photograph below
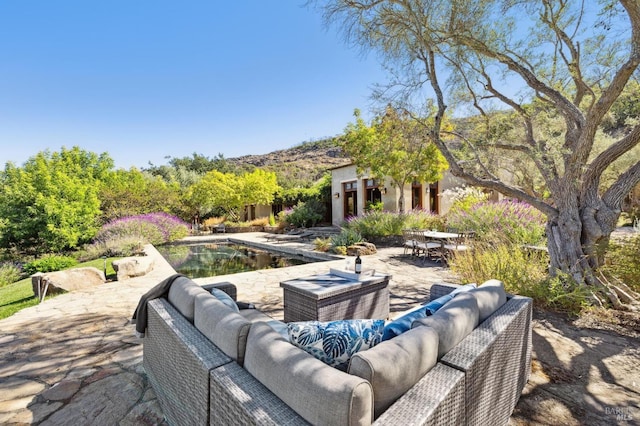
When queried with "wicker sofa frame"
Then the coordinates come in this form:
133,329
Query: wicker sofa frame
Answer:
477,382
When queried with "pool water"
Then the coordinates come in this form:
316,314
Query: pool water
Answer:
209,260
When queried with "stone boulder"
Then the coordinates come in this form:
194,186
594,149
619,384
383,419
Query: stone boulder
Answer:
129,267
67,280
362,248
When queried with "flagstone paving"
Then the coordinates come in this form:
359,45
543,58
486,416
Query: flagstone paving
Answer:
74,359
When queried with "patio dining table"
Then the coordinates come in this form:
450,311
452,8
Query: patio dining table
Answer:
441,237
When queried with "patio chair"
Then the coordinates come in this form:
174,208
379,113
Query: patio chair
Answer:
409,242
427,247
459,244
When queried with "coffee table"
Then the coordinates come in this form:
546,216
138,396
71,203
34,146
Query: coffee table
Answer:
328,297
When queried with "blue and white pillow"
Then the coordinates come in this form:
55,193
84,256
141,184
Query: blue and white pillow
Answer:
335,342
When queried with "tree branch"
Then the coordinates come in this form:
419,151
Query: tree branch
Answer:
606,157
614,196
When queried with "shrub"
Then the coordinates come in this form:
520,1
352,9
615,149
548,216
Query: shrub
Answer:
341,250
260,221
382,224
114,247
211,222
464,198
49,263
322,244
374,206
272,219
345,238
9,273
523,272
154,228
622,261
505,221
303,215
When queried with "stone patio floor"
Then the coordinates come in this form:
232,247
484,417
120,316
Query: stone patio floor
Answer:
74,359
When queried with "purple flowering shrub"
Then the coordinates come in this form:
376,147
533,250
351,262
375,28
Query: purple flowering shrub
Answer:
505,221
153,228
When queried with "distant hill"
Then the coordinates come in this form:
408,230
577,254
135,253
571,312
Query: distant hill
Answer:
303,163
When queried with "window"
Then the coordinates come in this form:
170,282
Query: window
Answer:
372,192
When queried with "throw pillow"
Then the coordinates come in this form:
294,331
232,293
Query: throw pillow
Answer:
335,342
403,323
225,298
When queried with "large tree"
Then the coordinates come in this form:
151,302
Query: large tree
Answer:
132,192
564,62
231,193
393,147
51,203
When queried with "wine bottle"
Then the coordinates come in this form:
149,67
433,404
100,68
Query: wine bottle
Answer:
358,264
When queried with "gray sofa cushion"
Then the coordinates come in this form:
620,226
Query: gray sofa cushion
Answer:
490,296
453,322
227,329
319,393
255,315
182,296
395,365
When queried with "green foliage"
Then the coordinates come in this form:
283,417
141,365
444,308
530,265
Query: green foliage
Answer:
374,206
8,274
382,224
305,214
463,199
318,191
346,237
272,219
341,250
231,193
51,203
49,263
131,192
622,261
505,221
523,272
625,109
393,147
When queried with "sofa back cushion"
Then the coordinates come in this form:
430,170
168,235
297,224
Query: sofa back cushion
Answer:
182,296
319,393
453,322
394,366
227,329
490,296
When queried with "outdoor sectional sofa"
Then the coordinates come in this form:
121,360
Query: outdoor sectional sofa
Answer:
466,364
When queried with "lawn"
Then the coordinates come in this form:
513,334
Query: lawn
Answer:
19,295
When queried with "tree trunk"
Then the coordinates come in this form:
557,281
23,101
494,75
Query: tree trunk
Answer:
401,198
576,239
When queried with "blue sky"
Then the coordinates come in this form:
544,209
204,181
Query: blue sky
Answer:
146,79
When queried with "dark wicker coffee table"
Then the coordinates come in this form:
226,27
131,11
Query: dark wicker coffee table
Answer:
329,297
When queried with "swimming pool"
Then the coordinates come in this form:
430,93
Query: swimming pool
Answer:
222,258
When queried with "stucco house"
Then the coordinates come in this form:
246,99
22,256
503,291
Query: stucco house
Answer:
351,193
